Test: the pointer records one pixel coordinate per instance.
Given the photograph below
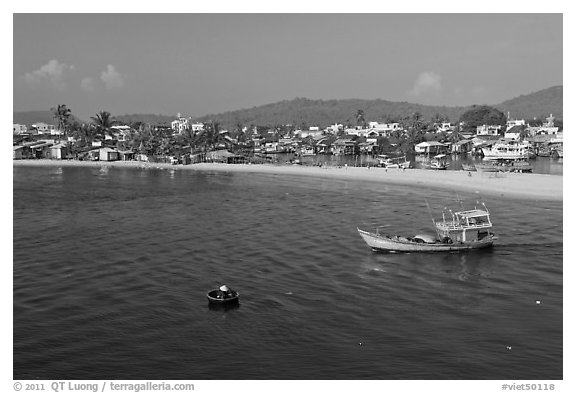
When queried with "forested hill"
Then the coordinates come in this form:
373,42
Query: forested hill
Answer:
301,111
307,112
539,104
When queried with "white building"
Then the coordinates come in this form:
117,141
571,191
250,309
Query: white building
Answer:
44,128
488,130
358,131
181,124
384,129
444,127
19,129
546,128
334,128
197,127
122,133
313,133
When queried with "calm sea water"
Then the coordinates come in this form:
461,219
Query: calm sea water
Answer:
111,267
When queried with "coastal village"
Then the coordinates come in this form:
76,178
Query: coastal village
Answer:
185,141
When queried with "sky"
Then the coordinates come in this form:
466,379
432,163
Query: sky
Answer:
198,64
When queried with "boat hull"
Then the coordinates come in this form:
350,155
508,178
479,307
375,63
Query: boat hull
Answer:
214,299
378,242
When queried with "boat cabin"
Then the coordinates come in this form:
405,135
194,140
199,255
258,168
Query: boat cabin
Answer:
465,226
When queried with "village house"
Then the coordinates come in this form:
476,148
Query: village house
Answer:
444,127
344,147
181,124
546,128
39,149
368,147
513,123
126,155
197,127
108,154
45,129
431,147
334,128
122,133
461,147
356,131
18,129
488,130
18,152
59,151
383,129
312,131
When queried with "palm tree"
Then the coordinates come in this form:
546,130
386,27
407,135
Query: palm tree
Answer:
360,119
62,115
103,121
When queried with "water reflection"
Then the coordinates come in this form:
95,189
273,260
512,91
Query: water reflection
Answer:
225,307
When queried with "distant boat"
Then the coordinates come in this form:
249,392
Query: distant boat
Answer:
222,295
393,162
307,151
467,230
438,162
557,152
468,167
509,150
502,165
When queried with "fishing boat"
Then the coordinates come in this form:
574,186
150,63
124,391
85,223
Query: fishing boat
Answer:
510,150
503,165
465,230
438,162
223,295
393,162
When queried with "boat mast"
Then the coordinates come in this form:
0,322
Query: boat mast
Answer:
433,221
460,201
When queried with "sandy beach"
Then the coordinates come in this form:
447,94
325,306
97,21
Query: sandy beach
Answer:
507,185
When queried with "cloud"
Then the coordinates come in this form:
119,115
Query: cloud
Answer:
112,79
52,72
427,82
88,84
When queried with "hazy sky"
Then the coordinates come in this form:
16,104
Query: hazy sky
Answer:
198,64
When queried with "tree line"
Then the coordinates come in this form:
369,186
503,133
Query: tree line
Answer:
152,139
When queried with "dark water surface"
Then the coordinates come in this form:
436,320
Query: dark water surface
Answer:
111,268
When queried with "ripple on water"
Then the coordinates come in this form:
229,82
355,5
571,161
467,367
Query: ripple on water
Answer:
111,282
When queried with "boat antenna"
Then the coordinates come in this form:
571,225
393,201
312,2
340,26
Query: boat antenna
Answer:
460,201
430,211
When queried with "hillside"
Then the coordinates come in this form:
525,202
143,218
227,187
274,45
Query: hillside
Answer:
303,111
145,118
323,113
538,104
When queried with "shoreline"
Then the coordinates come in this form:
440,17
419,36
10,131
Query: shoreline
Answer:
509,185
